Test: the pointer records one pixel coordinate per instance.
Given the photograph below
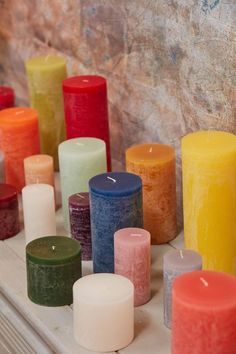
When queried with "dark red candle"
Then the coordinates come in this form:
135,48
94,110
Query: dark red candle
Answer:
86,112
9,212
7,97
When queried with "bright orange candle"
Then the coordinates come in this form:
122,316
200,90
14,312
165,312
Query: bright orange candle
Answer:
39,169
155,164
19,138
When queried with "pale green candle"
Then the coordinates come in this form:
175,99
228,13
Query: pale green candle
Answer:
45,75
79,159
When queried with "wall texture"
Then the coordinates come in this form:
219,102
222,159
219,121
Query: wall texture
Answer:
170,64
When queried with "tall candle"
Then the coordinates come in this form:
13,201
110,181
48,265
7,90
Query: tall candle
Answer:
155,164
209,197
19,138
204,313
79,211
103,312
115,203
80,159
133,260
175,263
53,266
45,76
7,97
39,169
2,168
39,211
9,211
86,112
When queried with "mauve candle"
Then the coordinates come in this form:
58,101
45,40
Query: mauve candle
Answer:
7,97
132,248
9,212
175,263
79,211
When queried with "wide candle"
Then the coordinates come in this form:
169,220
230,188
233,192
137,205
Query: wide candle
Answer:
7,97
133,260
175,263
53,265
9,211
39,169
86,112
103,311
115,203
155,164
80,159
45,75
209,197
204,313
19,138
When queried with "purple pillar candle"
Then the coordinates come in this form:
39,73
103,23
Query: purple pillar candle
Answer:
9,212
79,211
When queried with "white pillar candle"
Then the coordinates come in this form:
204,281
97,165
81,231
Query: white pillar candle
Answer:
39,211
103,306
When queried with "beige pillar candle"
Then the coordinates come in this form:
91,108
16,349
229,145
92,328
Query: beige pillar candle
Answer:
39,169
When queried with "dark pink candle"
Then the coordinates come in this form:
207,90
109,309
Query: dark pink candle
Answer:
9,212
7,97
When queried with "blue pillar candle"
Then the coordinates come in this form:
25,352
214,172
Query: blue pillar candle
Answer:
115,203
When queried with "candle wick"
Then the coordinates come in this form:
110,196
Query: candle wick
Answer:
181,254
81,196
53,248
135,235
112,179
150,150
85,80
204,282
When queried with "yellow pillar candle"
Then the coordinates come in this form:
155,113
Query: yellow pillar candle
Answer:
45,76
209,197
155,164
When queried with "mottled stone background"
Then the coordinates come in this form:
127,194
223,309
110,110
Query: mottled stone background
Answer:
170,64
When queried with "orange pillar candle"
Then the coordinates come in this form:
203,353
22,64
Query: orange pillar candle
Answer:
39,169
155,164
19,138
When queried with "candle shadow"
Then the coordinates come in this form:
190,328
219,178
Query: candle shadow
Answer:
141,321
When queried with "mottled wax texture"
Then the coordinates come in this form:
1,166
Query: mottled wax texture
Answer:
79,211
175,263
114,205
9,212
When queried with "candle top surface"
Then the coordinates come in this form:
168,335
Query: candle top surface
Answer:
7,192
182,260
132,236
103,288
18,116
84,84
53,250
6,94
38,160
82,146
115,184
46,62
38,190
79,199
206,290
150,153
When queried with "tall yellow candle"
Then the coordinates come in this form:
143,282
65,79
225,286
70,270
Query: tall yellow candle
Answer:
209,197
155,164
45,76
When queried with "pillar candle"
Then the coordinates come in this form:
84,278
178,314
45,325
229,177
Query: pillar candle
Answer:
7,97
79,159
2,168
79,211
39,169
115,203
155,164
209,197
53,265
39,211
133,260
204,313
45,75
175,263
86,112
103,311
19,138
9,212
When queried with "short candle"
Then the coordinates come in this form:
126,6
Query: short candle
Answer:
39,169
7,97
9,211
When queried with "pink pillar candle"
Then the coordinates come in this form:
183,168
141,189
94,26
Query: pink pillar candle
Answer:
204,313
9,212
132,260
39,169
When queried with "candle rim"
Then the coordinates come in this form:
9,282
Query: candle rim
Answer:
75,200
10,119
172,260
124,236
7,192
39,63
161,153
91,146
75,84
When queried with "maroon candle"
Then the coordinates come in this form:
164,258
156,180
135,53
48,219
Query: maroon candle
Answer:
79,211
6,97
86,112
9,212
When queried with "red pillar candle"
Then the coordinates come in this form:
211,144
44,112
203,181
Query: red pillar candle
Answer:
86,112
204,313
9,212
7,97
19,138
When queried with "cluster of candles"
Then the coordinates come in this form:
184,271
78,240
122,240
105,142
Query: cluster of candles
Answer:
114,217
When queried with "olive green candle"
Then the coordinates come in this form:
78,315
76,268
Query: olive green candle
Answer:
53,265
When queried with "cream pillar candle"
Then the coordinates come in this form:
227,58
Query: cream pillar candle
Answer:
39,211
39,169
103,307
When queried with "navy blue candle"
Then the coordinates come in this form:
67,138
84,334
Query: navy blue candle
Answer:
115,203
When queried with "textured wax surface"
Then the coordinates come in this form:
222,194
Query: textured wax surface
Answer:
9,217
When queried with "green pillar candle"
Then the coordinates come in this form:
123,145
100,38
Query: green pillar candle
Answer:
53,265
